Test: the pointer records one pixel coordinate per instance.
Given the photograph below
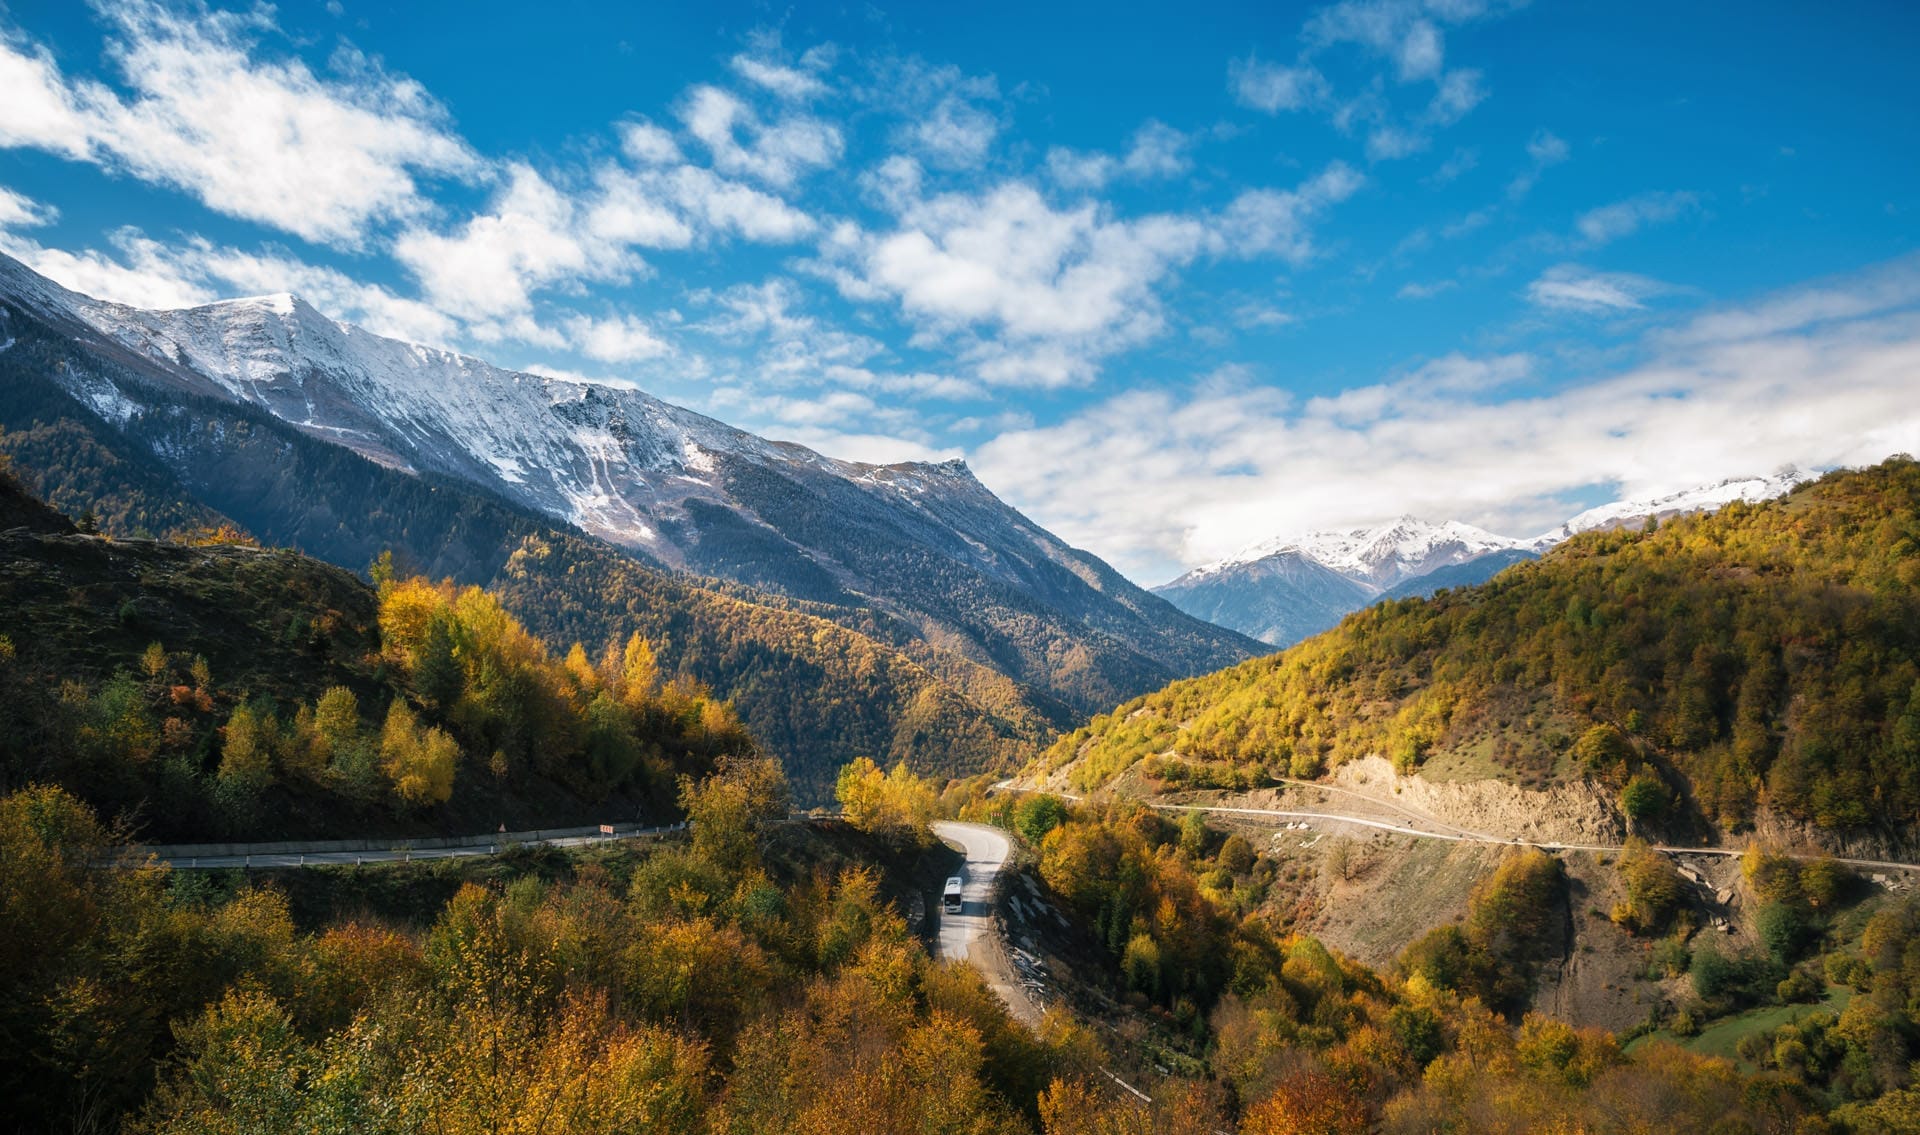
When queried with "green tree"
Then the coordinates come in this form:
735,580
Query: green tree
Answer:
1644,800
437,675
1037,814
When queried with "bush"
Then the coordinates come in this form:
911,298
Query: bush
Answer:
1799,988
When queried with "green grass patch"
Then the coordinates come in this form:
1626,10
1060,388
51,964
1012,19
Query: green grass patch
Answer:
1723,1037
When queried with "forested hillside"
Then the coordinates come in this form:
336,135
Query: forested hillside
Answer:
218,690
1765,656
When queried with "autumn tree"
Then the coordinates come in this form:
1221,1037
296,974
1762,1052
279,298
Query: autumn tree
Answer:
897,806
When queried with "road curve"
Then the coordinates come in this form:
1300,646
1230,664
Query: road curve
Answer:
970,936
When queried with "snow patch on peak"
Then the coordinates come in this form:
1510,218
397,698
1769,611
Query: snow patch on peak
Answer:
1702,498
1379,555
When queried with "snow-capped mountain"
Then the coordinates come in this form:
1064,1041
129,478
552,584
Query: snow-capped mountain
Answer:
925,546
1376,557
1283,589
1704,498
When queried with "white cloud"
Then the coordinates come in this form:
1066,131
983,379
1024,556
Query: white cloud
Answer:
956,134
1421,52
1460,91
1544,150
779,152
1569,287
671,208
1272,87
1079,169
1155,480
1158,150
1387,142
535,236
1462,161
43,111
617,339
1624,218
1419,291
1031,294
648,144
489,268
1398,30
1275,222
1155,151
791,83
18,211
1009,259
948,118
143,272
263,140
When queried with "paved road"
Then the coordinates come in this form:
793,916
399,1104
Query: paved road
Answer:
320,858
1453,833
1461,835
970,936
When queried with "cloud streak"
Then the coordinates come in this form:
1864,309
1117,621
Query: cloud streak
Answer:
261,139
1155,480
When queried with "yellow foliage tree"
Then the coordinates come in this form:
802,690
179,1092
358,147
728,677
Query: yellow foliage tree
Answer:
420,764
895,805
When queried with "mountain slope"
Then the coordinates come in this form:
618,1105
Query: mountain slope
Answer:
1762,660
926,545
1466,574
1279,598
1284,589
816,692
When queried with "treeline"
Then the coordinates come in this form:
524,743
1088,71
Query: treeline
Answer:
1769,654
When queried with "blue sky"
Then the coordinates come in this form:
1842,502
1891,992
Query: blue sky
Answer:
1171,279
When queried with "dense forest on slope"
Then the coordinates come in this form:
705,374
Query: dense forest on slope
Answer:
218,690
817,685
1763,656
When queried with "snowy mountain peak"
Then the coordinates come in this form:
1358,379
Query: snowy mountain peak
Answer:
1377,556
1627,513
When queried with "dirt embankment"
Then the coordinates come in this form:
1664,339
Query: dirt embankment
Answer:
1565,813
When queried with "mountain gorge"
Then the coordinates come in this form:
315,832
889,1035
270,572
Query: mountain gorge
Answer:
944,627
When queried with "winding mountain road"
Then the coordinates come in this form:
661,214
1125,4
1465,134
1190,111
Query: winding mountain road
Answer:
971,936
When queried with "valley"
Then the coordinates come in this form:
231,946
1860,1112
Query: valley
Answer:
1348,568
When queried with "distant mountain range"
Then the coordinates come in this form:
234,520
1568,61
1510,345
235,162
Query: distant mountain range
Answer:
587,502
1284,589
